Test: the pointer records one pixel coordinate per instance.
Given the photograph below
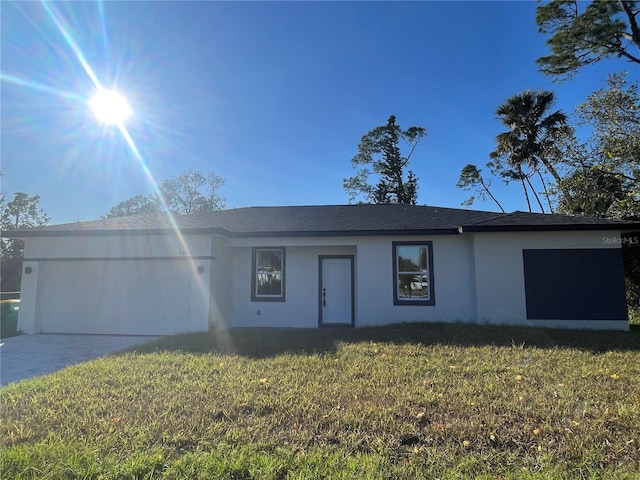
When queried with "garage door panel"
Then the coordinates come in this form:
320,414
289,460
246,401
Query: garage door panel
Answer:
116,297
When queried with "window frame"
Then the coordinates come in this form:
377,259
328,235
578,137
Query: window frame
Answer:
431,300
255,297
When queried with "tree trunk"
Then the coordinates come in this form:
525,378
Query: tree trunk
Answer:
546,192
486,189
526,194
553,172
535,194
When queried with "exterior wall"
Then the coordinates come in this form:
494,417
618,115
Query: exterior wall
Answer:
221,285
41,251
453,279
452,276
29,292
300,308
499,274
477,277
105,246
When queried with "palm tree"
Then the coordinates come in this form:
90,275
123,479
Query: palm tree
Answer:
532,139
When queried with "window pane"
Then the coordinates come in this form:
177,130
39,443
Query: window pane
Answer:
413,286
269,272
413,274
412,258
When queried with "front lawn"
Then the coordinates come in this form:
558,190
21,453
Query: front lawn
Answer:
409,401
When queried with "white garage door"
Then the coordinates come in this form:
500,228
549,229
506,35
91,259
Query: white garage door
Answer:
139,297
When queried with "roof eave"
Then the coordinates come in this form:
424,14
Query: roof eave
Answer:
347,233
98,233
21,234
548,228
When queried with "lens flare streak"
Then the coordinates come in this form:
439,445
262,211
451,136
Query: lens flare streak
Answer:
59,22
39,87
145,168
61,25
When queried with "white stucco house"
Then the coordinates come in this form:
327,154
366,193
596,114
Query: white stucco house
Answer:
318,266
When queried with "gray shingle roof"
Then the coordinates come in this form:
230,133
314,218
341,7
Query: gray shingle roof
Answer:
331,220
523,221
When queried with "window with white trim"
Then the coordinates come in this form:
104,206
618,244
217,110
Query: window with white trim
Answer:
268,277
413,273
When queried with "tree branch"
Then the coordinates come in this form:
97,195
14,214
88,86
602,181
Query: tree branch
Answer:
413,146
635,31
486,189
624,53
546,191
535,194
626,177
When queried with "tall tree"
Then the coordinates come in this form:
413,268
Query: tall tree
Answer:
23,211
471,179
136,205
603,173
582,34
529,146
379,154
595,192
189,192
192,192
613,113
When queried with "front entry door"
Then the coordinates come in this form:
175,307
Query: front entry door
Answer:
336,291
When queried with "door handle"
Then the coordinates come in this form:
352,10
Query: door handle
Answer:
324,297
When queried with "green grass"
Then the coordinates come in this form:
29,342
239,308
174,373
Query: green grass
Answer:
409,401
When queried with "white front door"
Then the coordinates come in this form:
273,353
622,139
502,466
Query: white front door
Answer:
336,290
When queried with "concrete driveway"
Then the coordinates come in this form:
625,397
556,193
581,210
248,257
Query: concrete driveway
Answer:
27,356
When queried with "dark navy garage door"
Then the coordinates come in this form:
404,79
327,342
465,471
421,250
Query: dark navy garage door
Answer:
581,284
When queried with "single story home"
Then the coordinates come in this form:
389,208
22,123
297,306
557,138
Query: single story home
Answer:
322,266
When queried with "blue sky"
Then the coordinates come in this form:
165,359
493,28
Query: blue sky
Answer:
273,97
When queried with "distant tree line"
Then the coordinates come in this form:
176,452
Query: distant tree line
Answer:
22,211
189,192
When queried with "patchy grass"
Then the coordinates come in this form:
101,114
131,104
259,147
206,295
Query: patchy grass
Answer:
410,401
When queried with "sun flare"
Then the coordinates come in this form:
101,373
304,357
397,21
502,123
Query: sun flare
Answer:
110,107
